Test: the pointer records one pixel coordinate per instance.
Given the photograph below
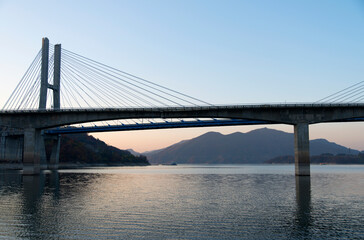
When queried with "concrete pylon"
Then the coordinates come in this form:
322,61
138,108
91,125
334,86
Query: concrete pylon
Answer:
57,77
34,144
302,149
56,142
44,74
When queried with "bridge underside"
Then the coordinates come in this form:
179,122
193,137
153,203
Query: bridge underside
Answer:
285,114
154,125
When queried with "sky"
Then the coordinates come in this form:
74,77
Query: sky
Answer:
223,52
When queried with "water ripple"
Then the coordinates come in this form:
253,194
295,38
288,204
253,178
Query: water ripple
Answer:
183,203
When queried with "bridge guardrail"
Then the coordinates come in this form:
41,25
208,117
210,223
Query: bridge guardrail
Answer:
217,106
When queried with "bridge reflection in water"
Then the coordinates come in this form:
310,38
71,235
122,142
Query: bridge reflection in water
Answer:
303,200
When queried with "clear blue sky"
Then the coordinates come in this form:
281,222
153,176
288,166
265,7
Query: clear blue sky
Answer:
220,51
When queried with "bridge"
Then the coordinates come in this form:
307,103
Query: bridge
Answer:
33,112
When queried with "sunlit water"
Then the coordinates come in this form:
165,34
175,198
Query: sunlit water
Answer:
184,202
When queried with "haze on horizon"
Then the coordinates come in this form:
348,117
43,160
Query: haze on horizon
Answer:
223,52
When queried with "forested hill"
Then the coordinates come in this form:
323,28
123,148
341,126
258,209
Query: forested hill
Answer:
82,148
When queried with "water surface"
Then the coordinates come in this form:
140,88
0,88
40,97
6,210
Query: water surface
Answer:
184,202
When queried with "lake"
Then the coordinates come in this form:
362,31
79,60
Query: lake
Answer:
184,202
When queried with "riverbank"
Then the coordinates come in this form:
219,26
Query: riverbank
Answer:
19,166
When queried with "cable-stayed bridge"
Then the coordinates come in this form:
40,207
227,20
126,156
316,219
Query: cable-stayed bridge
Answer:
64,92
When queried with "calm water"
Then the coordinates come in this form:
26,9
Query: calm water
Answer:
184,202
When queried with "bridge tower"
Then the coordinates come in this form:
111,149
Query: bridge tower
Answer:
44,75
34,153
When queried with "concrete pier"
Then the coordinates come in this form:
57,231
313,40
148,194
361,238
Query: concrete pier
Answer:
31,156
301,149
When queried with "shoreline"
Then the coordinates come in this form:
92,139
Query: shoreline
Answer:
19,166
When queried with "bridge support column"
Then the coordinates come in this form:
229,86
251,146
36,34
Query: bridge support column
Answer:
54,159
301,149
56,77
44,74
32,151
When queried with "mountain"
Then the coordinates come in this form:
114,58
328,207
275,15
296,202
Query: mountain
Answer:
255,146
82,148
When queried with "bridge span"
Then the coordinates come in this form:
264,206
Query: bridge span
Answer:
23,130
292,114
298,115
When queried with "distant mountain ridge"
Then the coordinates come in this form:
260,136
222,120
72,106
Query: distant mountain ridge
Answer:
255,146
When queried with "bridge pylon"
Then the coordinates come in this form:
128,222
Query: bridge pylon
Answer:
34,153
44,74
45,85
